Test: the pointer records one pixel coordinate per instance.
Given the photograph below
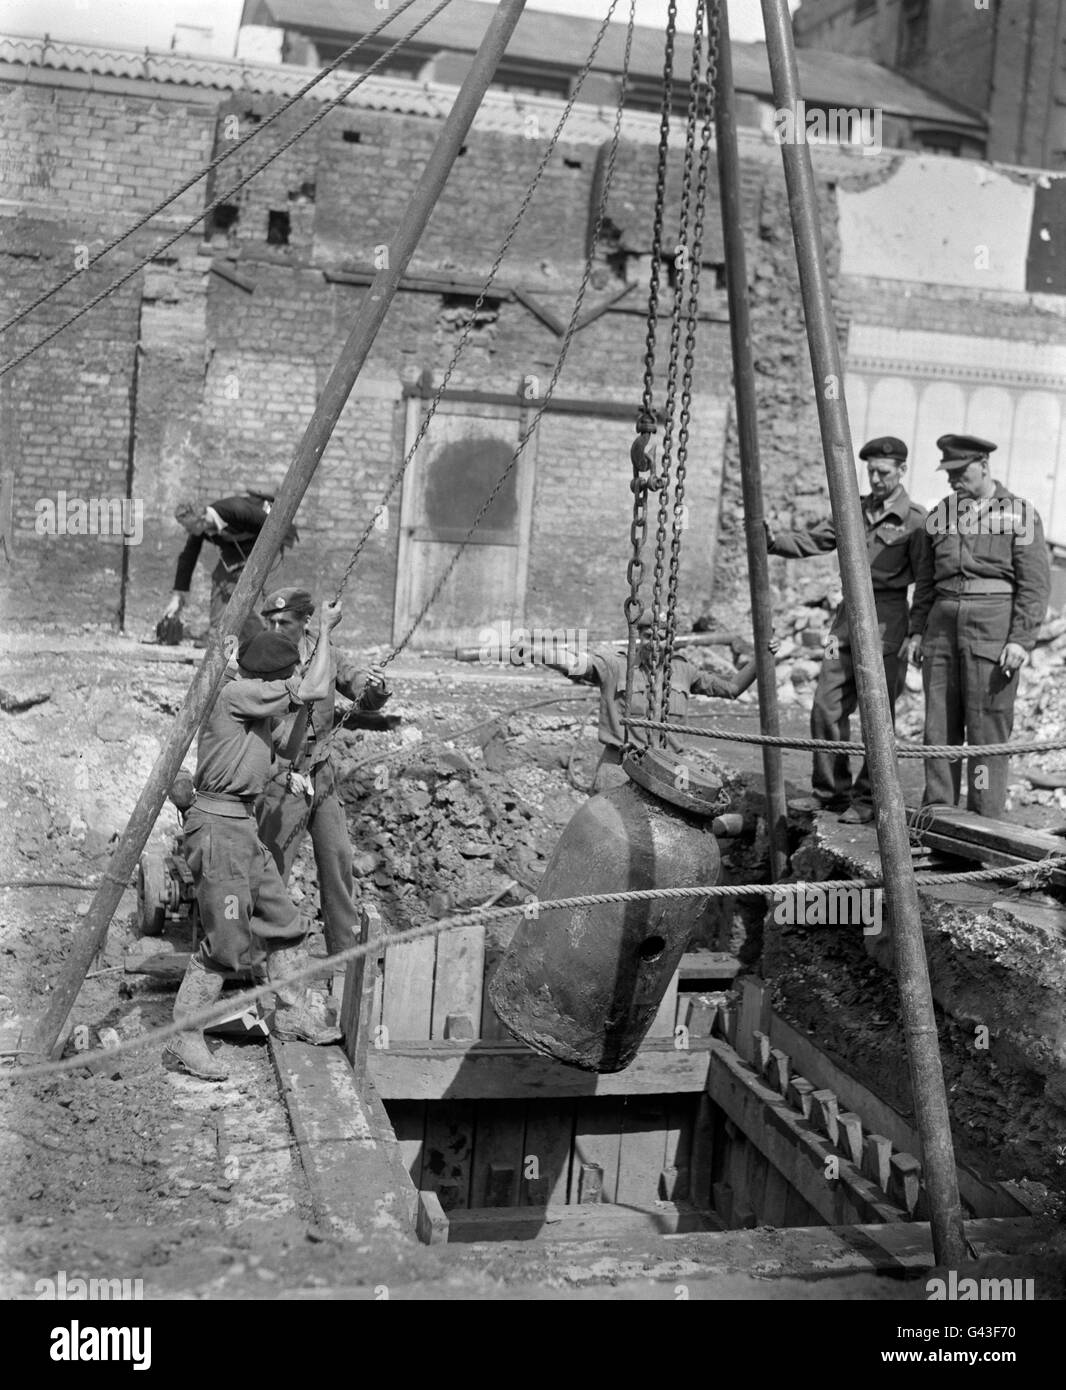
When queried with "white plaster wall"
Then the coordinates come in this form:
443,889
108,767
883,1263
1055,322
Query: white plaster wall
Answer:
939,220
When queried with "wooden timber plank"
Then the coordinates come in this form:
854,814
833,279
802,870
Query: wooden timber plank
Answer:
981,854
447,1152
498,1153
354,1166
597,1140
642,1151
357,1020
1006,836
754,1014
708,965
492,1030
985,1199
678,1156
457,984
792,1147
702,1155
548,1148
407,1000
662,1025
409,1125
432,1224
583,1223
501,1071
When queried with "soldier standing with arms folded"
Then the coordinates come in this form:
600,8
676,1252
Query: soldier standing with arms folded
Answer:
981,595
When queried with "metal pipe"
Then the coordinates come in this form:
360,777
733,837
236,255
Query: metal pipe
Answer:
916,999
368,320
762,606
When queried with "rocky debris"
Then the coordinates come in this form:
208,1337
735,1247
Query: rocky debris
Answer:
14,699
434,831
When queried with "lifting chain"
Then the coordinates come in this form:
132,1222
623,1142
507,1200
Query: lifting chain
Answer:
703,92
685,287
644,475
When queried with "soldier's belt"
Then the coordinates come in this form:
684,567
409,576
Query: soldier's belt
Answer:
974,588
219,805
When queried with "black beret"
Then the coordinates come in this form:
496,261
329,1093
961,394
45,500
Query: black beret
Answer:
268,656
885,446
959,449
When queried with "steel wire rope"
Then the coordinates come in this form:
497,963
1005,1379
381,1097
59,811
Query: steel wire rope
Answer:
287,144
208,169
949,751
529,909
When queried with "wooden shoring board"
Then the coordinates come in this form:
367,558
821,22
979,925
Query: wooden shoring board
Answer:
357,1019
509,1071
709,966
677,1160
407,1002
643,1150
582,1223
457,983
498,1153
1006,836
548,1148
492,1030
409,1125
983,1198
597,1140
447,1152
701,1157
355,1170
662,1025
792,1147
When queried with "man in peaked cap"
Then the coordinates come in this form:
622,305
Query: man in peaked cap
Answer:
301,796
982,589
893,531
232,525
245,912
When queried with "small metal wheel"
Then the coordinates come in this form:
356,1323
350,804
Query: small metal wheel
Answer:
151,894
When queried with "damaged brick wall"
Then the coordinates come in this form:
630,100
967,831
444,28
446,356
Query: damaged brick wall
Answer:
229,364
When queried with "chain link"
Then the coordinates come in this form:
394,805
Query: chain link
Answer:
702,81
683,272
638,530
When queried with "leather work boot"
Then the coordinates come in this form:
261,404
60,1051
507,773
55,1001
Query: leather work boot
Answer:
297,1017
199,990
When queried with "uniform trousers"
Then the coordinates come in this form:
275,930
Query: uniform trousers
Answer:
836,698
284,819
245,910
968,699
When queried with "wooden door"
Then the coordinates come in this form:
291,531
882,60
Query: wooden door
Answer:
467,450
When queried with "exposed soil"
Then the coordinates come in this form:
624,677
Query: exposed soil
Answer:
198,1190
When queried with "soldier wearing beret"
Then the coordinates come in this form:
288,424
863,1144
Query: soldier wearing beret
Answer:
245,911
981,595
894,527
301,796
232,525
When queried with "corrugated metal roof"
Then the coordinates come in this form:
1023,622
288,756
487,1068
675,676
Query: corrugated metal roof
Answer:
430,99
824,77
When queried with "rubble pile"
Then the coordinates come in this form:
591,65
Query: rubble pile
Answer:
434,831
1040,713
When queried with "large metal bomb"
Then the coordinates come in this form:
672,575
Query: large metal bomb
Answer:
585,985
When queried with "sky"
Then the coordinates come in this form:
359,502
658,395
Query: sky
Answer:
150,23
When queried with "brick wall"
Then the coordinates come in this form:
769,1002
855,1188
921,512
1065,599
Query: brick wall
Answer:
203,387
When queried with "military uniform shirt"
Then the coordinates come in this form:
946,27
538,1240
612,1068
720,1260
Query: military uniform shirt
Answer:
893,546
233,753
